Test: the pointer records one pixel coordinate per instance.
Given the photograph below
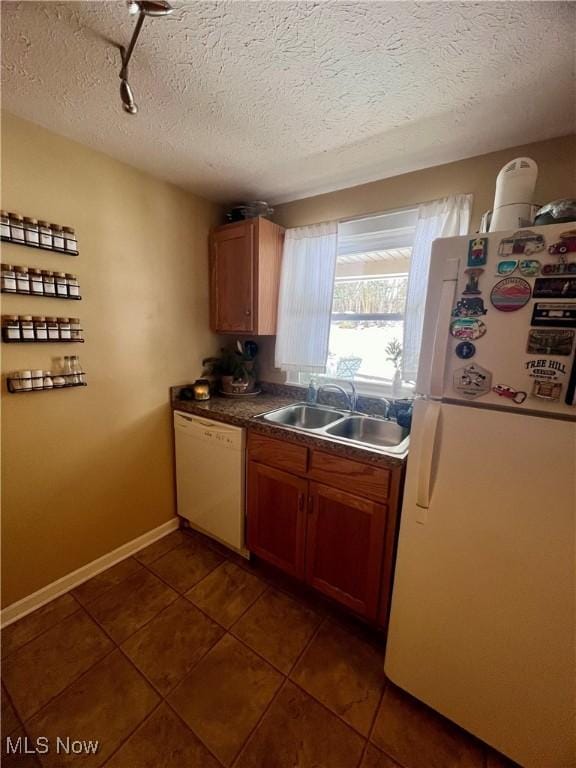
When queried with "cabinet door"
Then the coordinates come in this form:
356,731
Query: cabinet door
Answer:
276,517
232,278
344,546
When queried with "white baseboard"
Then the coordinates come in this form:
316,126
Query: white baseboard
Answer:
17,610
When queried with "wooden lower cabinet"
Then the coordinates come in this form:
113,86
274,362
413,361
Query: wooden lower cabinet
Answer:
276,517
344,545
302,520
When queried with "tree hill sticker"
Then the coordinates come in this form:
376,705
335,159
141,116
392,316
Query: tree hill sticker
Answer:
549,370
555,288
469,328
472,381
510,294
550,341
477,252
561,315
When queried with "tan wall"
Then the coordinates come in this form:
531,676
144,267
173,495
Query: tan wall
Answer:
87,470
556,160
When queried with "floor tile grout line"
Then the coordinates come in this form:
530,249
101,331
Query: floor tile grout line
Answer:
109,588
158,576
196,735
125,740
373,722
80,607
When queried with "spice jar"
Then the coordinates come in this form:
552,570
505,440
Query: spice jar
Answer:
73,286
75,330
37,379
57,237
64,328
25,381
8,278
70,243
58,381
47,382
61,284
53,328
45,232
49,282
4,225
11,328
31,233
36,282
27,327
40,328
16,227
22,279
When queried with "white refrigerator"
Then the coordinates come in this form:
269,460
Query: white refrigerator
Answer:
482,624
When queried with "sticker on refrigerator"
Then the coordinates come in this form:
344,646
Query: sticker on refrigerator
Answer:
469,308
565,244
521,243
547,390
470,328
516,395
549,370
507,267
548,341
472,381
554,315
529,267
465,350
555,288
562,268
510,294
478,252
473,278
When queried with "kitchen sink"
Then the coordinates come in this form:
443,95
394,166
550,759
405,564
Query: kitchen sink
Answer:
364,429
304,416
343,426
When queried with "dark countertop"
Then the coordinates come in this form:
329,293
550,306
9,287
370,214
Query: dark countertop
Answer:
244,412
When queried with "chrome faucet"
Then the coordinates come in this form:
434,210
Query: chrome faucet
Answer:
351,396
387,407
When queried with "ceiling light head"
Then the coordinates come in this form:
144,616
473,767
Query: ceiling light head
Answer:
150,7
128,103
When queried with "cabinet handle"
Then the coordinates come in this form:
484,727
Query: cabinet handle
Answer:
310,504
300,502
247,312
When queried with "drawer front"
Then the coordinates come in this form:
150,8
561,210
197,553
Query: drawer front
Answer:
350,475
278,453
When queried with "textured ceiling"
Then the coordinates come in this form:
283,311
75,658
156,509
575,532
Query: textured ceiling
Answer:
279,100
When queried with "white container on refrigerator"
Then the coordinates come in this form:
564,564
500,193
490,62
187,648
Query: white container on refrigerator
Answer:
210,477
482,624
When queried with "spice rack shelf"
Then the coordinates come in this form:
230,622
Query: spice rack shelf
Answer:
41,295
14,389
47,248
42,341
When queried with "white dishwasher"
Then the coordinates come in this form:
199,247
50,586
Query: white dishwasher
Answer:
210,477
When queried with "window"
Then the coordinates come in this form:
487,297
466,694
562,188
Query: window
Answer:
369,303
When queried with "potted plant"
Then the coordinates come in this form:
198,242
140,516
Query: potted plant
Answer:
394,356
235,367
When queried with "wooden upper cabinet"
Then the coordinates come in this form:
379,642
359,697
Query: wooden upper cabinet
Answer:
245,261
344,544
277,517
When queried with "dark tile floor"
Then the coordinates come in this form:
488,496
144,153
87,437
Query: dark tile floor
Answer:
186,656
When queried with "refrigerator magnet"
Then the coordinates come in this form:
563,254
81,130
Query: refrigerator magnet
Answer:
468,328
473,278
466,307
545,369
555,314
550,341
565,244
465,350
521,243
510,294
472,381
507,267
529,267
562,268
478,252
555,288
547,390
516,395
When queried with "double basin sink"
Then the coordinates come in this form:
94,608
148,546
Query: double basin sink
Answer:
343,426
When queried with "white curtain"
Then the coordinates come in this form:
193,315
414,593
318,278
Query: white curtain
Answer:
305,301
448,217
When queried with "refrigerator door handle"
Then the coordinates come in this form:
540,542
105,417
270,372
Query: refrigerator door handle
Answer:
426,460
441,333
